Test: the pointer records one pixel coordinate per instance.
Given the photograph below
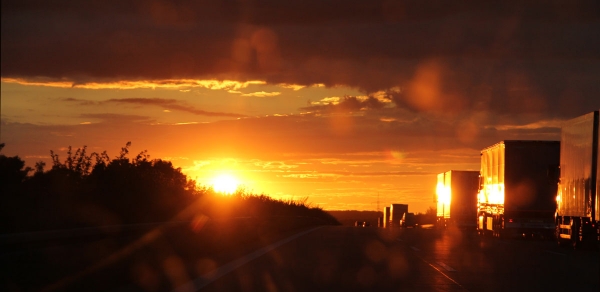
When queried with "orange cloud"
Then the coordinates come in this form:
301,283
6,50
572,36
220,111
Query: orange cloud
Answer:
262,94
125,84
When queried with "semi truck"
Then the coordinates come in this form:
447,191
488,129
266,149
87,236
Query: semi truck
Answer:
517,189
408,220
456,197
396,213
386,217
577,201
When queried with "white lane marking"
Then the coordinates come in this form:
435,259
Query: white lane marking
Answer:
221,271
556,253
448,268
444,274
440,271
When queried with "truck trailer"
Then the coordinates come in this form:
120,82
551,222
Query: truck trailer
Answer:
577,201
456,197
517,191
386,217
396,213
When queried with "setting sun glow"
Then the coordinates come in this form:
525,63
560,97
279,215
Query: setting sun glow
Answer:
225,183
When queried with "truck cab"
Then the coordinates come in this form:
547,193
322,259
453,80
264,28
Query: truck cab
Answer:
408,220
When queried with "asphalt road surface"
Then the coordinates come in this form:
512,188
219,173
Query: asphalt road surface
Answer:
372,259
329,258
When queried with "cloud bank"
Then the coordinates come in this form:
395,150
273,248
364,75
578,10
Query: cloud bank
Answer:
514,57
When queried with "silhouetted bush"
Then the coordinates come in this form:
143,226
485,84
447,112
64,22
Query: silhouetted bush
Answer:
89,190
245,204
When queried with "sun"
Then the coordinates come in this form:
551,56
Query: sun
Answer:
225,183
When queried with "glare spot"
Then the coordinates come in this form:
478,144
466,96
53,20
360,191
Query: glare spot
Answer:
175,271
398,266
145,276
225,183
366,276
206,267
376,251
397,154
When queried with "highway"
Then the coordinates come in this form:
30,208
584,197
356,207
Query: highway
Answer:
328,258
373,259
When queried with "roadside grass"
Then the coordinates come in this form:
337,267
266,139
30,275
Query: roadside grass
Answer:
162,257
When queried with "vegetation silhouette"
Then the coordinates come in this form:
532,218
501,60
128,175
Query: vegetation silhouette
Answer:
93,190
92,221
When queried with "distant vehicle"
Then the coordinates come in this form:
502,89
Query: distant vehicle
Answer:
577,215
362,224
408,220
396,213
456,197
518,185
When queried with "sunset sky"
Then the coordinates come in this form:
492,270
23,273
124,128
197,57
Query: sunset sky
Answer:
348,103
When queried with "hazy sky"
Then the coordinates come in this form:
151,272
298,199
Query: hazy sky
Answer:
345,102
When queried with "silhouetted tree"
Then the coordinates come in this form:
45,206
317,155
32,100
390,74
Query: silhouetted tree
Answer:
12,175
94,190
12,171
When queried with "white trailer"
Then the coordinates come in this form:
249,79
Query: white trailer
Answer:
517,190
577,198
456,198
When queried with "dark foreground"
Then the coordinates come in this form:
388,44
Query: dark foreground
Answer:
330,258
142,257
371,259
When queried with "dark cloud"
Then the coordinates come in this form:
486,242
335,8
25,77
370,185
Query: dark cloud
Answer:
520,57
80,101
173,104
169,104
109,118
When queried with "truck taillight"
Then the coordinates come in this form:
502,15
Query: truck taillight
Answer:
510,220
